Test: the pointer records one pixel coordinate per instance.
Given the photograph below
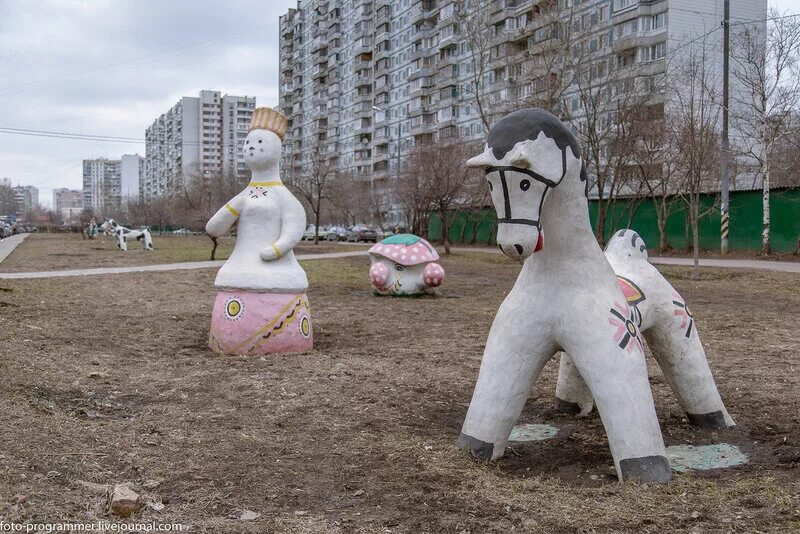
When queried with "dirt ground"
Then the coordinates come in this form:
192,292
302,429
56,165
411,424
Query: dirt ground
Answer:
52,252
109,380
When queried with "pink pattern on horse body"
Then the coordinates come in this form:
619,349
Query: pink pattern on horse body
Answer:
626,335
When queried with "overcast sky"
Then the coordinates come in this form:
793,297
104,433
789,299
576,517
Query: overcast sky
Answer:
111,67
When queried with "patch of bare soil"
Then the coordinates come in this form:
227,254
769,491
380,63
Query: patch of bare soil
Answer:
108,379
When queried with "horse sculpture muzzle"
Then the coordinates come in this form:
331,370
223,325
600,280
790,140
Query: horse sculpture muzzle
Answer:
519,241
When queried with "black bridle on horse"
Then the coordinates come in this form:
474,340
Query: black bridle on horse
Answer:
536,176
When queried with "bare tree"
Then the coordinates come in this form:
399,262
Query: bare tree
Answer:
441,182
7,204
767,68
201,195
656,168
313,183
474,28
550,56
520,66
693,119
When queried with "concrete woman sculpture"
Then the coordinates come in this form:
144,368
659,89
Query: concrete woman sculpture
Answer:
261,306
565,297
404,265
664,319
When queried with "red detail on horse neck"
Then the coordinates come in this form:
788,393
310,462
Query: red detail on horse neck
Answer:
539,243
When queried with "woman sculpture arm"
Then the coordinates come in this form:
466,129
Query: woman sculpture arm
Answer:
219,224
293,224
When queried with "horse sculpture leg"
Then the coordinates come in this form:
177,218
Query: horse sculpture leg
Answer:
616,374
147,240
676,346
516,351
572,393
121,242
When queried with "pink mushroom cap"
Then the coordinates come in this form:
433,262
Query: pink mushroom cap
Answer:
405,249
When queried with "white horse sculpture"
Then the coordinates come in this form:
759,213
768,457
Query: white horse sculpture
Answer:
664,319
123,234
565,298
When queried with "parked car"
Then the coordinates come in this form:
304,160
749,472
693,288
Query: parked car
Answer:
362,233
312,230
337,233
182,231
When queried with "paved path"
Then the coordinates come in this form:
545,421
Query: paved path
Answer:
161,267
781,266
8,244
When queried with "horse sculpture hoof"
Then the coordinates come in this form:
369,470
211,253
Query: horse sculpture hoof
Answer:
646,469
477,448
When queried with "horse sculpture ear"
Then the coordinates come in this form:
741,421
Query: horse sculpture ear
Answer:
520,160
481,161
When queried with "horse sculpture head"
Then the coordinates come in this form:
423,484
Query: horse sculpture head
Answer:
527,154
108,226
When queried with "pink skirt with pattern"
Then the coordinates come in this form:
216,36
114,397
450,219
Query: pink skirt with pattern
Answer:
247,322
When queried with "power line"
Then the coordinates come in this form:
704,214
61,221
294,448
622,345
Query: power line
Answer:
104,137
225,142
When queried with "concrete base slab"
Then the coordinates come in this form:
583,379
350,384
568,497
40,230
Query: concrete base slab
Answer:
684,458
532,432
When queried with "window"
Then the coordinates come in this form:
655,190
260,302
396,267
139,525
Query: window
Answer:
626,28
447,11
624,4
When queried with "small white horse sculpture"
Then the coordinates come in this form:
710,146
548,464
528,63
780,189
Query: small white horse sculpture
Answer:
122,234
668,326
565,298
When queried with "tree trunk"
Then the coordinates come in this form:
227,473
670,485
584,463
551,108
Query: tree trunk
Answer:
445,232
695,210
316,222
765,244
214,248
662,230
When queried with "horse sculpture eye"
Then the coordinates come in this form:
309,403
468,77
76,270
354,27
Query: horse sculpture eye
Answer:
399,268
525,185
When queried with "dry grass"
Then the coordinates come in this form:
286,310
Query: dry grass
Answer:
358,435
53,252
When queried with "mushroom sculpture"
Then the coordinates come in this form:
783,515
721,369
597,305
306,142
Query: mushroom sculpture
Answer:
404,265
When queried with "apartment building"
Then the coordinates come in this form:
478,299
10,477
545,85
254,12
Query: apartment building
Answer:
198,136
68,203
131,175
102,187
26,198
363,81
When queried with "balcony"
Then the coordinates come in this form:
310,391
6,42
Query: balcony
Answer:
424,71
361,98
423,128
363,46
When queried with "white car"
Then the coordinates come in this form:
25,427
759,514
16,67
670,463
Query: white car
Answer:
311,231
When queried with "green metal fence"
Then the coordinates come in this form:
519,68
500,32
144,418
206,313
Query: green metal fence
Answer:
480,226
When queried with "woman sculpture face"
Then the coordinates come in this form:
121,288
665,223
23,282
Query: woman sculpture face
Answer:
262,149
